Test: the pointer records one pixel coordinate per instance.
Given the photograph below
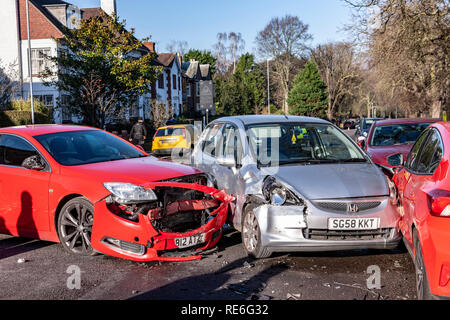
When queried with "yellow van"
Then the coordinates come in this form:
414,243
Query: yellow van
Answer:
177,137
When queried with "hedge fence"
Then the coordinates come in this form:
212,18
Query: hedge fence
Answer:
10,118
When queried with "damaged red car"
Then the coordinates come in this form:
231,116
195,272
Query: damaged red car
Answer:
94,192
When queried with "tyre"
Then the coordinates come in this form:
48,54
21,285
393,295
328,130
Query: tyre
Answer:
75,226
251,235
422,285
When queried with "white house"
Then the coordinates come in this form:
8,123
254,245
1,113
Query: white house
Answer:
47,20
168,89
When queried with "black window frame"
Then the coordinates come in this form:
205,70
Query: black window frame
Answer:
429,132
47,164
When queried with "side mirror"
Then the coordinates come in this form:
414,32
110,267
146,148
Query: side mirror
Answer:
396,160
34,163
361,141
226,161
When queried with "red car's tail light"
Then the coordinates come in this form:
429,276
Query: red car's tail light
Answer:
445,275
440,207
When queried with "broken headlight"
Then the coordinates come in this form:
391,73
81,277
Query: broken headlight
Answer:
276,194
127,193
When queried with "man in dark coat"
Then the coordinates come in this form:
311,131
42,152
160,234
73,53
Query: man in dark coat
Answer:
138,133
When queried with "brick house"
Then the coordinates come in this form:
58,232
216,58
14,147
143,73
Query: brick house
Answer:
48,18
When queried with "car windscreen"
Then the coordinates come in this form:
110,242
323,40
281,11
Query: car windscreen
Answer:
308,143
73,148
396,134
167,132
367,124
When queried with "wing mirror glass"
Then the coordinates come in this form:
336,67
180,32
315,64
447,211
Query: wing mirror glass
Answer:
396,160
34,163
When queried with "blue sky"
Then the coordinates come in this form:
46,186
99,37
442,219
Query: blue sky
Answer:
199,21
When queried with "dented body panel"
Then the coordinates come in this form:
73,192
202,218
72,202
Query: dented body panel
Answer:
151,241
302,225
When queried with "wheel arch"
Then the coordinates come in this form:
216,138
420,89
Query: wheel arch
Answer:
61,204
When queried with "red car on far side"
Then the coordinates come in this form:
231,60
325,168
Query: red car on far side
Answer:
423,186
390,138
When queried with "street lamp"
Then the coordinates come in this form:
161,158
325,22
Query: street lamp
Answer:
268,88
30,69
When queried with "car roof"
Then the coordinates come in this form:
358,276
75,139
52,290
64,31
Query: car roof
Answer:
39,129
260,119
406,120
176,126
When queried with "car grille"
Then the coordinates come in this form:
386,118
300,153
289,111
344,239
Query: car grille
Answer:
343,206
321,234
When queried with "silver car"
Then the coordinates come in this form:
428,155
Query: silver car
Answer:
300,183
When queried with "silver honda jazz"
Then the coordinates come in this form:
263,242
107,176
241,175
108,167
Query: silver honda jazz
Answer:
300,183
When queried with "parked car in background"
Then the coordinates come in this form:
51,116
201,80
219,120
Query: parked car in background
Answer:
176,138
94,192
363,128
388,138
300,184
349,124
423,184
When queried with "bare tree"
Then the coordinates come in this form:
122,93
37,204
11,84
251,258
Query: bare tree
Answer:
408,47
340,71
237,45
8,84
284,40
220,51
180,46
160,113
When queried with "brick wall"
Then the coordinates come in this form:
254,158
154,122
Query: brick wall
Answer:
40,26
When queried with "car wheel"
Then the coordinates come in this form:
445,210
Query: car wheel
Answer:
251,235
422,285
75,226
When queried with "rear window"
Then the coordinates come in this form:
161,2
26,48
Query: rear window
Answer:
170,132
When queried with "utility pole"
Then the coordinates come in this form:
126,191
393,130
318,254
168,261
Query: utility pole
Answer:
268,88
30,69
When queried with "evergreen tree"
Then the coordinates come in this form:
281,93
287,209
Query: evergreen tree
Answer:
204,57
241,92
308,95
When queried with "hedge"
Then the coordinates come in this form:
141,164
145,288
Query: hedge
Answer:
10,118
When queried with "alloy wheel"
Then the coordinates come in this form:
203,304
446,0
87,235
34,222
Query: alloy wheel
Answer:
76,228
250,232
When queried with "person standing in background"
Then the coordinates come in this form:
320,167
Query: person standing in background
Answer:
138,133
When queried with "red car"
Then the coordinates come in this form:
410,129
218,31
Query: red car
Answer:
389,138
94,192
423,186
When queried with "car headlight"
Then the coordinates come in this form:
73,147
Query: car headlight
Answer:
276,194
127,193
392,191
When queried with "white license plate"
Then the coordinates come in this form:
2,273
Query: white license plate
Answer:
353,223
191,241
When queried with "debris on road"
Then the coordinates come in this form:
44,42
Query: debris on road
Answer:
21,260
293,296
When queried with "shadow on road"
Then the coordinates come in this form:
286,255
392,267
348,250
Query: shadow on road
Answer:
26,227
214,285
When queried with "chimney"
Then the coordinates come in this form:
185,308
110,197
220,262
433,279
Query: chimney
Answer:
109,6
150,46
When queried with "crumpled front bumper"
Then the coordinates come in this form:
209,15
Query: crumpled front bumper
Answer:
140,241
284,228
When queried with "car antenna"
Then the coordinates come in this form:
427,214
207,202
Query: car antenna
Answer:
286,117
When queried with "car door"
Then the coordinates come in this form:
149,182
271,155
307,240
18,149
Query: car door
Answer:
24,193
205,154
420,167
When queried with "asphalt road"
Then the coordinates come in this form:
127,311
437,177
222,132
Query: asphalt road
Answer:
32,269
225,274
